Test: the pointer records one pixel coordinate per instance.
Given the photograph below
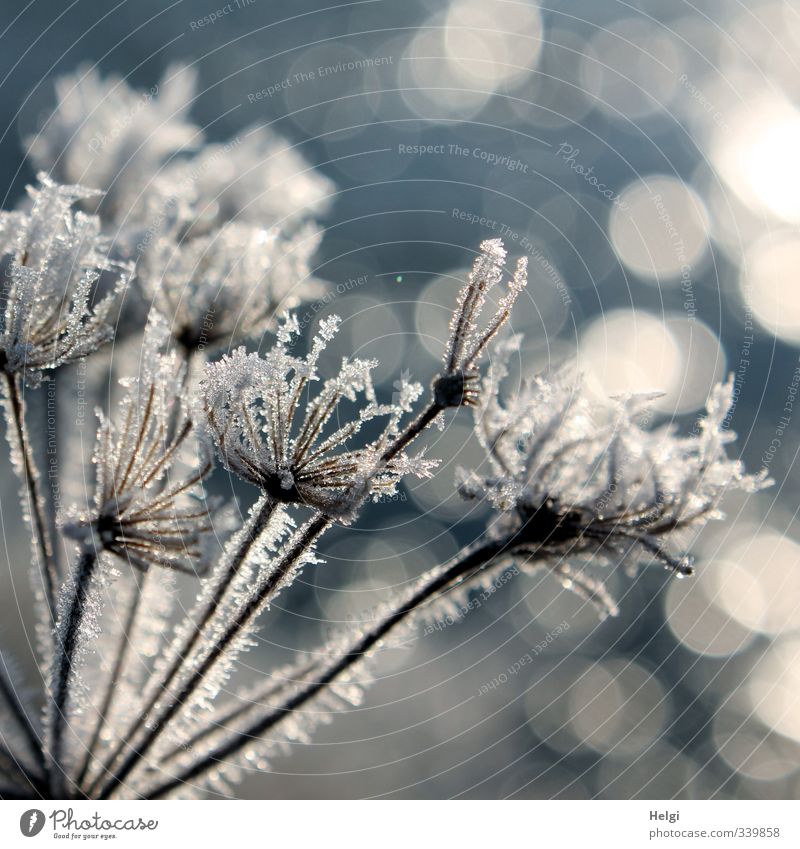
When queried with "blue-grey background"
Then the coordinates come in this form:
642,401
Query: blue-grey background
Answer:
694,690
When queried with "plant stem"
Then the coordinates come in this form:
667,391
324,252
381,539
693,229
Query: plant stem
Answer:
220,718
248,536
68,637
29,477
432,585
261,595
123,649
412,431
18,712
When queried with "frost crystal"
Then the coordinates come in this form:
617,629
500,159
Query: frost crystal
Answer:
52,259
570,489
268,433
219,289
457,385
140,514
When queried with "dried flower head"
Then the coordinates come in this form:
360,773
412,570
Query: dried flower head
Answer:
222,288
52,259
142,513
267,431
255,177
108,136
572,489
458,383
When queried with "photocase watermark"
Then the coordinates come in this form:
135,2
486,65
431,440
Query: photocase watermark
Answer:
525,659
32,822
495,160
318,73
473,603
708,106
218,14
99,140
64,825
569,154
330,296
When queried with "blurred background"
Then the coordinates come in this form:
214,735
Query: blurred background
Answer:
643,156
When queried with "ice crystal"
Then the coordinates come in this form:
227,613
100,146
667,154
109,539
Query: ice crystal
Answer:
457,385
222,288
269,434
52,259
108,136
142,514
572,486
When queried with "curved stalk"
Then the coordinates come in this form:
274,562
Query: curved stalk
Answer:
432,586
68,637
249,535
261,595
33,501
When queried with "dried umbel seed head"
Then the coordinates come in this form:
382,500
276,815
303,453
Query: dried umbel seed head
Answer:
52,259
570,488
457,385
144,512
229,285
269,433
113,138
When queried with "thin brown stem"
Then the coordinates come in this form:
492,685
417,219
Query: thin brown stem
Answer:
248,536
432,586
63,666
261,595
28,474
412,431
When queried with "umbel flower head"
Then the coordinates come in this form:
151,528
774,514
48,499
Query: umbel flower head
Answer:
256,177
457,385
142,512
52,258
219,289
108,136
270,429
573,490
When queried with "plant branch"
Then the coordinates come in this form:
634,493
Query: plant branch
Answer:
18,712
262,593
431,587
233,560
69,633
33,501
122,652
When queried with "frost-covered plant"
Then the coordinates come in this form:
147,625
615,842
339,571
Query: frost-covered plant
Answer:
106,135
152,701
229,285
52,259
572,486
268,434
